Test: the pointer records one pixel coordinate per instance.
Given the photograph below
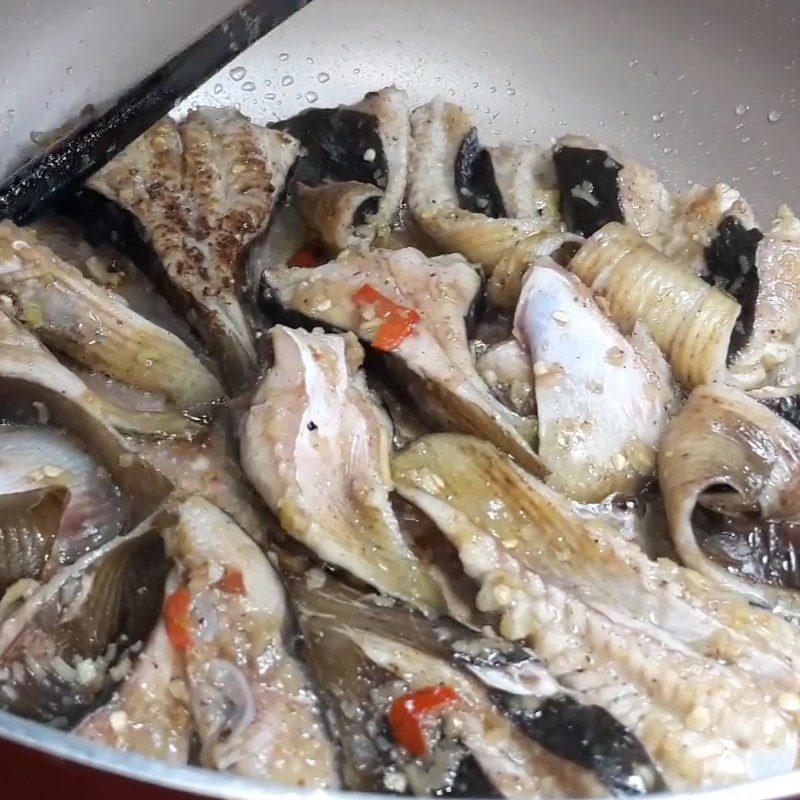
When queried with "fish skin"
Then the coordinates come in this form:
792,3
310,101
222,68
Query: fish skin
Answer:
204,190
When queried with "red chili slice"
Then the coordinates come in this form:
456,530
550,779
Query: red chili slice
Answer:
410,714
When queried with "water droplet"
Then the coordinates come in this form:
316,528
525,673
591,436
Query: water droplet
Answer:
287,80
284,56
745,140
776,173
774,115
267,82
69,70
237,73
493,90
667,150
270,96
475,84
356,71
633,62
312,97
248,87
217,88
658,116
742,109
323,77
511,92
451,92
309,60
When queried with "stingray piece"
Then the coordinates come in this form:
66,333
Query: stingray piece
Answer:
202,191
707,229
659,647
61,650
367,144
255,712
599,186
60,436
312,411
461,193
513,726
601,398
95,327
729,471
691,322
766,364
413,310
341,213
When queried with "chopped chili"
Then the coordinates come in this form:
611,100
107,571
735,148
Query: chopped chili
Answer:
231,582
410,714
312,255
176,618
398,323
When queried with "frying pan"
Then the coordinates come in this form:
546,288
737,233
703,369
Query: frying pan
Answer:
705,91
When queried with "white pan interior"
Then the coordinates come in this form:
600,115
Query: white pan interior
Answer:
705,91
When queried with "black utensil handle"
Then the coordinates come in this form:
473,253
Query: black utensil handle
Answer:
37,183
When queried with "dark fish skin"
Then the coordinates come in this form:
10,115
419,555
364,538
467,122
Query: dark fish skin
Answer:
70,617
786,407
762,550
731,262
29,523
589,736
575,166
582,734
365,210
475,179
334,141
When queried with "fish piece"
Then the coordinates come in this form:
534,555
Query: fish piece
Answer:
598,186
519,172
103,263
135,411
729,469
767,364
504,285
203,190
39,457
367,142
255,713
148,713
341,213
508,372
707,230
70,641
311,411
41,397
206,466
94,327
652,644
432,357
454,193
691,322
601,406
518,684
29,523
365,656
